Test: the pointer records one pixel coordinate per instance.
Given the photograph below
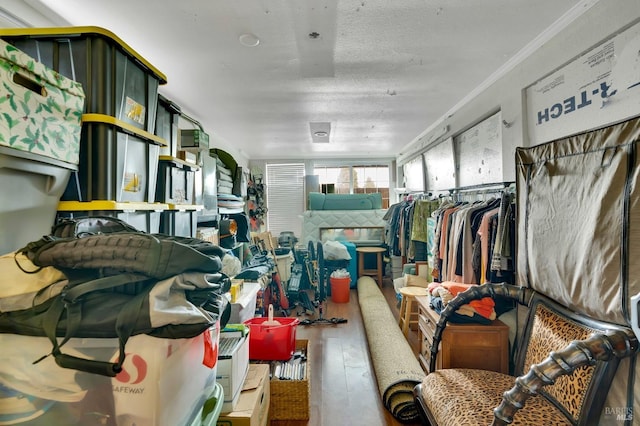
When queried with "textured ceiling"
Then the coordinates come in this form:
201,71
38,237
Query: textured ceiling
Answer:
378,72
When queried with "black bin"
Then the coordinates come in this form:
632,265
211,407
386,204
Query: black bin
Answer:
117,81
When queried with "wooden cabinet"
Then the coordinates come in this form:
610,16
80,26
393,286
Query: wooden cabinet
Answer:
484,347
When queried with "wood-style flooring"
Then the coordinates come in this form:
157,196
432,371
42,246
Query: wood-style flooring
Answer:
343,382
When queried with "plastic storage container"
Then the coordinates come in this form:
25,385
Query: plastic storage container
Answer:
116,163
164,382
180,220
167,118
38,154
30,190
272,342
117,81
142,216
176,180
211,409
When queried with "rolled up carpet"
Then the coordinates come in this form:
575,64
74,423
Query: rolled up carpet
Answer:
396,367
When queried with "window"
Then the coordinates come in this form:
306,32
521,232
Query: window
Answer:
355,179
285,198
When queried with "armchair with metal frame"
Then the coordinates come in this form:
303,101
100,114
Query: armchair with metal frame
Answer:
565,364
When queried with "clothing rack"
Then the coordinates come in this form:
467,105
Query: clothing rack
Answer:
459,225
456,194
483,186
417,195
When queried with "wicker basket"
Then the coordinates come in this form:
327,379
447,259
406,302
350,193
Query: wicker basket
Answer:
290,398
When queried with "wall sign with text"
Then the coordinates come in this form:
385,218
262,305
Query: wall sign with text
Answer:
598,88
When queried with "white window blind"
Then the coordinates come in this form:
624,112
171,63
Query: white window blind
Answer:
285,198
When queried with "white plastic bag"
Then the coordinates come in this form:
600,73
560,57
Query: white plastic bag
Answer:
340,273
333,250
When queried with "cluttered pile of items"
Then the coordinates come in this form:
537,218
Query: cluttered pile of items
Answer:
106,320
297,279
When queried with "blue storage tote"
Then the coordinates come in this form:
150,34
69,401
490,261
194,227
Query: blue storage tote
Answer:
117,81
176,179
117,162
142,216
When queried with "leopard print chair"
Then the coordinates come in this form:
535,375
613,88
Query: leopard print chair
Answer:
565,364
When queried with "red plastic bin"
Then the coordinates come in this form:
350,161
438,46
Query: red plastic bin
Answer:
272,342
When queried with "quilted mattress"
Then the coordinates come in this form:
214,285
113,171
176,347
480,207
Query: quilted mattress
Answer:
313,220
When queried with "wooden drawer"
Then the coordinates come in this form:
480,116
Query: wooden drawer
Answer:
425,362
428,322
426,340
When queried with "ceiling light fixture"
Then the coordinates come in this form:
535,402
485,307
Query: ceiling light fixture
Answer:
320,131
249,40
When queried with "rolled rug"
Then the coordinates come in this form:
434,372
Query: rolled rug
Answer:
395,365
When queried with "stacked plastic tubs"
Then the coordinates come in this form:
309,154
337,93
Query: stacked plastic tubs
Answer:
118,156
176,176
39,145
99,128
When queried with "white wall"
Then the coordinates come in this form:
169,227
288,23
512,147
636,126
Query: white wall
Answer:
601,21
20,13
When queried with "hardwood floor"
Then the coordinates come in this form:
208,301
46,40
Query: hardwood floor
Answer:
343,382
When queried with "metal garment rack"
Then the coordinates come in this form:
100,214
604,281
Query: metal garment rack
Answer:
417,195
486,188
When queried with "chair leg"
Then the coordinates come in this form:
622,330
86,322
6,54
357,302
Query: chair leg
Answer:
403,307
407,315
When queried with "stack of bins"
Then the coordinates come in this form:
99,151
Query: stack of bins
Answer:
39,142
49,131
176,176
118,158
144,217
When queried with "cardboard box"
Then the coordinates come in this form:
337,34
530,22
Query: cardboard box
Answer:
290,398
188,156
194,138
253,406
233,364
53,130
